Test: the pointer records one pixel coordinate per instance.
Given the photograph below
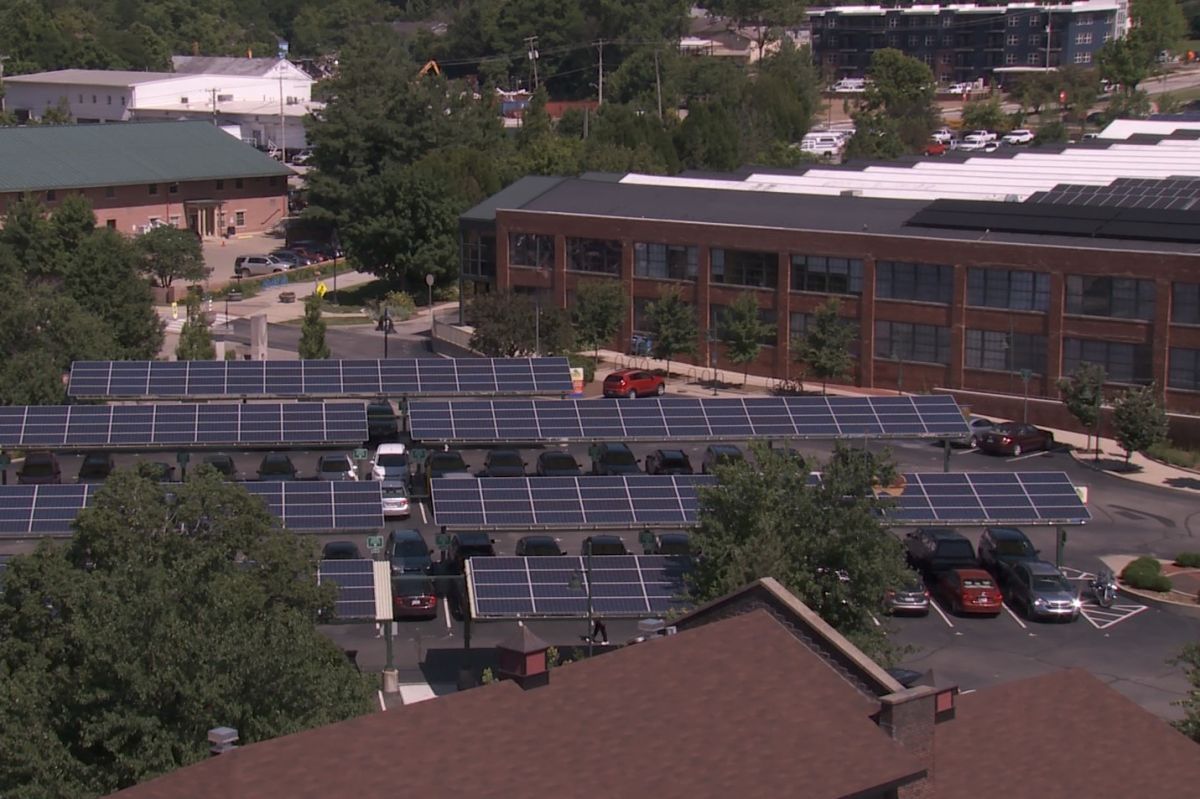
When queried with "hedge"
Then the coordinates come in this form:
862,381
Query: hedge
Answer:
1189,560
1146,573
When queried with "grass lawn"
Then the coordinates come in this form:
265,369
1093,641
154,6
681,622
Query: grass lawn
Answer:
355,296
344,320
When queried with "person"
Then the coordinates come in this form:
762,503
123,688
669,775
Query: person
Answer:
599,632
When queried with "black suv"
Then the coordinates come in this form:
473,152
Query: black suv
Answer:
381,421
465,546
276,467
96,467
440,464
932,550
556,463
668,461
503,463
717,454
1001,548
614,459
603,545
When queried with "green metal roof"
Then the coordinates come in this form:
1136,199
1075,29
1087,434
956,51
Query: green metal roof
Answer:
514,196
122,153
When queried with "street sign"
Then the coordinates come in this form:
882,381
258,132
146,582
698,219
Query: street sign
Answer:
419,455
646,539
321,289
375,543
182,458
360,454
4,460
443,541
1026,374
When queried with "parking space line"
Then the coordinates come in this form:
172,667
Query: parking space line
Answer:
424,518
966,451
446,615
1103,618
1039,453
933,604
1015,617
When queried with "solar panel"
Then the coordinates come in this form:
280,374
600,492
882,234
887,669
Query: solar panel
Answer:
363,588
47,511
1025,498
330,378
622,586
677,418
78,427
566,502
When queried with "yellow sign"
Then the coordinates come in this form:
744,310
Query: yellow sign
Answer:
321,289
174,310
577,380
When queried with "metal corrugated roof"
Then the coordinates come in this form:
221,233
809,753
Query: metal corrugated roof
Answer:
515,196
91,77
117,154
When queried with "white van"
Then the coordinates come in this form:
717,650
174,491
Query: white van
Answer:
846,85
823,144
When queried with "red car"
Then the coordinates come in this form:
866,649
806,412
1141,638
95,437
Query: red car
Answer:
935,148
969,591
633,383
1013,438
413,597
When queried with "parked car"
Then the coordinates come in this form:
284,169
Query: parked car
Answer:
395,498
341,550
1018,136
716,454
603,545
614,459
503,463
323,249
672,544
973,143
556,463
942,136
96,467
969,591
1001,548
537,545
276,466
986,135
1041,592
293,259
336,468
443,464
959,88
303,157
633,383
390,463
668,461
223,464
464,546
931,550
936,148
254,265
381,421
910,596
39,468
979,428
407,552
850,86
413,597
1013,438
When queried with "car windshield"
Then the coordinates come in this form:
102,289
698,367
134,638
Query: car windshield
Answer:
541,548
279,465
94,466
506,459
977,582
1014,547
394,492
606,547
559,461
392,460
410,548
38,467
446,462
955,549
335,465
1050,583
619,457
674,458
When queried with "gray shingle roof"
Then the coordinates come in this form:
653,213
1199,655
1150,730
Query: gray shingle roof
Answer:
117,154
223,65
91,77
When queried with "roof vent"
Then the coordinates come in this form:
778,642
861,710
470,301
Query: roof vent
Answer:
1012,198
851,192
651,626
222,740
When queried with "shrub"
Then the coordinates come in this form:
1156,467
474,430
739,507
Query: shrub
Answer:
1175,456
585,362
1189,560
1146,573
401,304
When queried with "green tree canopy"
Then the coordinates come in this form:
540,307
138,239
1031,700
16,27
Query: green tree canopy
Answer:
168,613
1083,395
312,331
599,308
195,339
742,331
986,114
672,325
1139,419
509,325
897,112
169,254
826,346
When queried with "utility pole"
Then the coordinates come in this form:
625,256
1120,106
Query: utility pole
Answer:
600,79
214,104
282,129
532,52
658,84
1048,31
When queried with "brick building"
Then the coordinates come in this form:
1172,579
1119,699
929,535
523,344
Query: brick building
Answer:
981,275
137,175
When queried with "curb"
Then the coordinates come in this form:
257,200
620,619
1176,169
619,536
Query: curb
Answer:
1119,562
1087,464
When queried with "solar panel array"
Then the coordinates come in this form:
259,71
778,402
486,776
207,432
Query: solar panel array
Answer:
182,425
34,511
355,581
327,378
628,586
988,498
672,418
554,502
1172,194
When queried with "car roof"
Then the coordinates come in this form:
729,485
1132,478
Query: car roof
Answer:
1008,533
677,537
538,539
556,453
973,574
722,448
472,539
673,453
340,545
616,445
1041,567
942,533
406,534
340,456
604,539
504,451
391,449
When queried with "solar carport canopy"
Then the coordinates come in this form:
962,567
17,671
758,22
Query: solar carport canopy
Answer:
408,377
677,418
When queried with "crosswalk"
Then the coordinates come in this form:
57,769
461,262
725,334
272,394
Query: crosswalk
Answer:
219,320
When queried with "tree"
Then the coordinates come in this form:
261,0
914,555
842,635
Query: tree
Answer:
509,325
672,324
826,343
1189,725
1158,26
1139,419
167,613
897,111
1082,394
742,331
312,331
1034,90
766,20
1123,62
986,114
599,308
195,339
169,254
764,520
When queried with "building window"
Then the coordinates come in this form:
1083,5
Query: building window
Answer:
1185,303
929,40
719,314
122,102
1010,58
909,342
111,224
1013,40
912,40
947,41
220,185
530,249
1035,20
1083,58
237,183
1118,297
745,268
109,100
1014,21
1184,369
81,98
51,195
665,261
900,280
173,188
798,329
947,20
946,61
1083,19
1123,363
594,255
832,22
1035,40
827,275
93,99
893,41
109,192
1033,59
1014,289
239,218
1083,38
1009,352
893,22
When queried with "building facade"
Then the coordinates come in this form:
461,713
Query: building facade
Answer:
964,42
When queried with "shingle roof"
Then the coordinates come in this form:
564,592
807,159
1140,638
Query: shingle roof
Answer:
513,196
91,77
1064,734
224,65
82,156
734,708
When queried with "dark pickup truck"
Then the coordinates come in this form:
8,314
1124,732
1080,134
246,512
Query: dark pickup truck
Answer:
933,550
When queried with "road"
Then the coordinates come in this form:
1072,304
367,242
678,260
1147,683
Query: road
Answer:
351,341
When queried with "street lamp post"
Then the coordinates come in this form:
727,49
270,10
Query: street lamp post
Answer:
899,370
387,326
432,318
1026,374
577,581
712,357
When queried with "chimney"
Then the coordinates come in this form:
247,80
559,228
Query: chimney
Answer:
222,739
522,659
909,717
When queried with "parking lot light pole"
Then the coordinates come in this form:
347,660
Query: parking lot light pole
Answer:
574,583
1026,374
432,318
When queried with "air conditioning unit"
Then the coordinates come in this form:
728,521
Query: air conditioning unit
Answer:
672,630
224,98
